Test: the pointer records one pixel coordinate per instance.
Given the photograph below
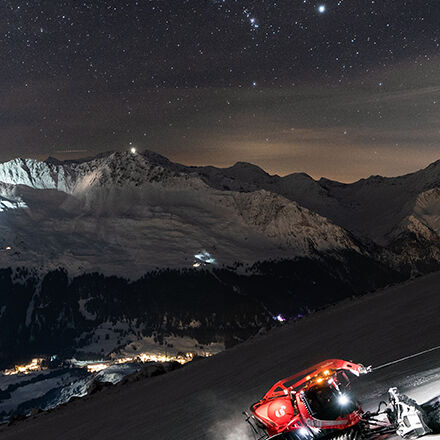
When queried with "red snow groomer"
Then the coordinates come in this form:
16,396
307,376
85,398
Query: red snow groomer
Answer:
317,404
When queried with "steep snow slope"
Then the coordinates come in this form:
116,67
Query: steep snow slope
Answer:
204,400
427,209
377,208
126,214
290,224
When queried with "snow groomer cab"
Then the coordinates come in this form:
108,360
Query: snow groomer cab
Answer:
310,404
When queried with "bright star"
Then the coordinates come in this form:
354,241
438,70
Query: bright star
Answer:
321,9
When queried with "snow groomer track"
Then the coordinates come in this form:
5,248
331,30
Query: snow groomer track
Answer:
205,400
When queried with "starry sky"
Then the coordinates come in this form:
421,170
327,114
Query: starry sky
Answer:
335,88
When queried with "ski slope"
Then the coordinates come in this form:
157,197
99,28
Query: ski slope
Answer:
205,400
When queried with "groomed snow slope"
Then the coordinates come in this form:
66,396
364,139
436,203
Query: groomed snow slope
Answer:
204,400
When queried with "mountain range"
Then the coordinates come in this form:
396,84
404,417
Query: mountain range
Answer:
125,214
135,241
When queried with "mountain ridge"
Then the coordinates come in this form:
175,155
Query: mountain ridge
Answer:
130,213
157,158
147,189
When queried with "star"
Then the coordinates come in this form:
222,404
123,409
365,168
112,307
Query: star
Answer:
155,53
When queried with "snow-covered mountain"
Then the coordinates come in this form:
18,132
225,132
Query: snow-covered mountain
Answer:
96,256
77,176
113,239
399,213
142,207
124,213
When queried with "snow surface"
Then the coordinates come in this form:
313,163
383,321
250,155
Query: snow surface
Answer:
34,390
204,400
56,387
14,379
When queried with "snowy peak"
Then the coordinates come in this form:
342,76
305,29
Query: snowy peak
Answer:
242,176
117,168
120,169
247,170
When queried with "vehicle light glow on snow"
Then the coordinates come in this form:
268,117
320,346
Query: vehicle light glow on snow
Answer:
279,318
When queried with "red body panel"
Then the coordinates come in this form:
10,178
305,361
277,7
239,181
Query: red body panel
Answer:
282,408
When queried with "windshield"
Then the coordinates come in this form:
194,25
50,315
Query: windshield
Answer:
326,402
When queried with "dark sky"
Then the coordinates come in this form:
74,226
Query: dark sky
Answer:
336,88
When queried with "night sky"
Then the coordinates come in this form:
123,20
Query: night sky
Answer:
338,88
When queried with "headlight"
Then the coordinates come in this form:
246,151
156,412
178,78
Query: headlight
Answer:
343,400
